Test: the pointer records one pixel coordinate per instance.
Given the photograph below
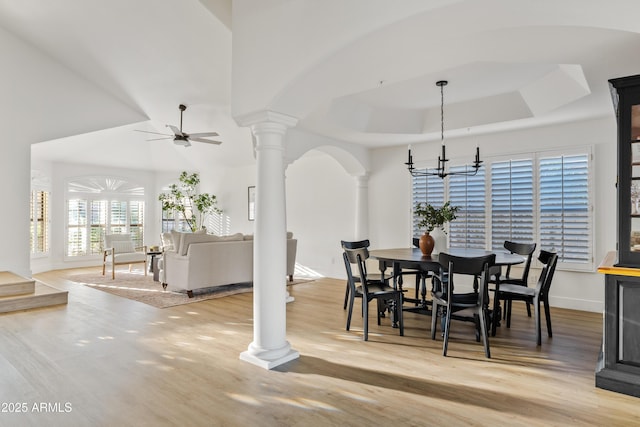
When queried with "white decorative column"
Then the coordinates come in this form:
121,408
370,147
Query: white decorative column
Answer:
270,347
362,207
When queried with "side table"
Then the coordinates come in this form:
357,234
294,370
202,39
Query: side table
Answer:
153,265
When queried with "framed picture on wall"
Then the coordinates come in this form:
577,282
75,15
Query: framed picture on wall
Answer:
252,203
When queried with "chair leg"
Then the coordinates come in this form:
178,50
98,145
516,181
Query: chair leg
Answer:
536,307
113,270
495,314
145,268
346,296
350,312
485,335
508,303
547,315
447,324
434,319
399,315
528,310
365,320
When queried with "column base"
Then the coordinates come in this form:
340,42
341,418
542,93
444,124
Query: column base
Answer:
289,298
269,363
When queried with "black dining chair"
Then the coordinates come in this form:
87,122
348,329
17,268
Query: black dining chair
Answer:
495,272
470,306
368,290
372,276
540,293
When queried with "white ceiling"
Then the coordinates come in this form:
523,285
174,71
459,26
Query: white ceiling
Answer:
368,75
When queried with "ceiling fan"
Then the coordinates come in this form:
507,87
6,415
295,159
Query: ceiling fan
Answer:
183,138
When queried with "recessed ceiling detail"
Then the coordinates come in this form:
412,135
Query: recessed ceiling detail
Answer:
410,107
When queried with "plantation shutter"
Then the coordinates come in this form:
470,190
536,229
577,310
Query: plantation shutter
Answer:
97,226
76,227
512,202
468,193
426,189
136,223
565,214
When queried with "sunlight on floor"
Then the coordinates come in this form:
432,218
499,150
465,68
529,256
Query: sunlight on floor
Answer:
305,272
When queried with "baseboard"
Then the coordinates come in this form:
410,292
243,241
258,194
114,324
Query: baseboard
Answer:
577,304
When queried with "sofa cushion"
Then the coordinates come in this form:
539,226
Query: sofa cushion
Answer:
122,246
167,242
189,238
177,238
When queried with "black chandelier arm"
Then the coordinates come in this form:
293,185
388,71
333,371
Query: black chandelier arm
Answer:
441,170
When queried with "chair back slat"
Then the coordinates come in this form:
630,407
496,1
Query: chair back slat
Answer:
355,245
549,261
472,266
524,249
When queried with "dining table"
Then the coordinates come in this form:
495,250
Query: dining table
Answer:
414,259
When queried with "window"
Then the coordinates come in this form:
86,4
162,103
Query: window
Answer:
173,220
39,222
426,189
467,192
99,206
565,213
540,197
512,208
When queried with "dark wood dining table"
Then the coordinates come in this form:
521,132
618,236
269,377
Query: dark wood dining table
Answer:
412,258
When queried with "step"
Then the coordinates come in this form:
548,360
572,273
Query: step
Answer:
43,296
14,284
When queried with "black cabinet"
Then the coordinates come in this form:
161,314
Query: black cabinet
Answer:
619,365
625,92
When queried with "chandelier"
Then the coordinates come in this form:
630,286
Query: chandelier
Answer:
441,170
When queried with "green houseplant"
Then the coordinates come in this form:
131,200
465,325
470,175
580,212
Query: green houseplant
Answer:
185,199
431,218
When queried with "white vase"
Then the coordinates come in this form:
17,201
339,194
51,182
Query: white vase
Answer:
440,240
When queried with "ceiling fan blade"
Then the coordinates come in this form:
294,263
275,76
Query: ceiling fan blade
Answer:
208,141
175,130
155,133
158,139
197,135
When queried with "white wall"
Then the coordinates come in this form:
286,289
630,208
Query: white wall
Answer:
320,211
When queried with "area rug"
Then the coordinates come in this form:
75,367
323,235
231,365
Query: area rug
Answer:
138,287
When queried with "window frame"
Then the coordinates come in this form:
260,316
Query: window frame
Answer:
104,190
535,157
36,205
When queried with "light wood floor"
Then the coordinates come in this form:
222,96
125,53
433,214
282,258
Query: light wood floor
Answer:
109,361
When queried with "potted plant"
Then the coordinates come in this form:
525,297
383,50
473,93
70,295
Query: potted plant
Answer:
430,219
185,200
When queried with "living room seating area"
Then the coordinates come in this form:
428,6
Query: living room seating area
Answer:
193,261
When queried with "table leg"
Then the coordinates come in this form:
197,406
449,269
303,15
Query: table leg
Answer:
153,256
495,316
396,273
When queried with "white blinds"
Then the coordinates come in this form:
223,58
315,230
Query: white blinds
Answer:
90,220
468,192
511,202
544,198
565,215
429,189
76,227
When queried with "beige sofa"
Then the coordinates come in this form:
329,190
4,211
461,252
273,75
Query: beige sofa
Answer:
197,260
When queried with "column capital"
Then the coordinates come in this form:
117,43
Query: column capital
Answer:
267,116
